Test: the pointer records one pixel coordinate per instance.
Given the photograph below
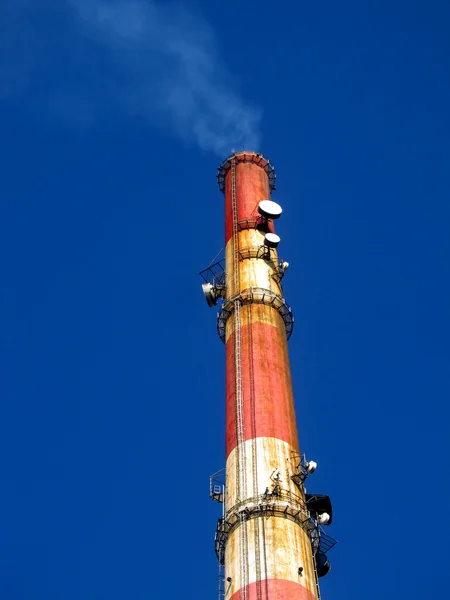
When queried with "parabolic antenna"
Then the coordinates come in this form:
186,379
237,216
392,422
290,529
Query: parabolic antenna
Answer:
210,294
271,240
323,565
311,466
269,209
323,519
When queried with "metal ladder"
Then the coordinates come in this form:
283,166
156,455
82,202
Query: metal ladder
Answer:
241,479
256,524
221,582
241,474
316,577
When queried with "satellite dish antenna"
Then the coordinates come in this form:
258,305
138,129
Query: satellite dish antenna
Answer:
323,519
210,294
323,565
269,209
271,240
311,466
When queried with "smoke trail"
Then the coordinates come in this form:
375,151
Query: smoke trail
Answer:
162,67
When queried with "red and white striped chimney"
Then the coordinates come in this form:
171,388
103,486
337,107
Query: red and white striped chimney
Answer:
268,537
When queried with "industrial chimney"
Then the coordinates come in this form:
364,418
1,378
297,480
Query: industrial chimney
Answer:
269,541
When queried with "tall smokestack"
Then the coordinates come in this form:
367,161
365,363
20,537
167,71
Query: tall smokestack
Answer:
269,542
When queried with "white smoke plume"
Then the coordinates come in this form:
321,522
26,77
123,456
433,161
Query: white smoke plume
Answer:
163,68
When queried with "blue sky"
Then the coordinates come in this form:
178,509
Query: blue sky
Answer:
114,117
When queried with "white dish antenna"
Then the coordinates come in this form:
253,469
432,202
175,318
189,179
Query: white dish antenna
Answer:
269,209
210,293
311,466
271,240
323,519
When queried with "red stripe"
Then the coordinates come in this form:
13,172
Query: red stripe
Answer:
252,186
276,589
274,413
